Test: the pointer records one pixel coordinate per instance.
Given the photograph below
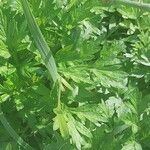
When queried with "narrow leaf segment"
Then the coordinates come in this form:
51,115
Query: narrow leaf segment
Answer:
40,41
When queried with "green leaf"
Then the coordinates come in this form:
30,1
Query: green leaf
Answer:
88,30
76,73
9,147
110,78
116,104
83,130
60,123
132,146
76,137
94,113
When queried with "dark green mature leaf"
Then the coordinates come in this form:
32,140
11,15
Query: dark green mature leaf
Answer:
12,132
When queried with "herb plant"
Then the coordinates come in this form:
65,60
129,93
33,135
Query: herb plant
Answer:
74,75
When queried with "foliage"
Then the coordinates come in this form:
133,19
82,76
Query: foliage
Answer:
75,75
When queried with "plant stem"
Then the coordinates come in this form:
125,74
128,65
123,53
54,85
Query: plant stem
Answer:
144,6
59,95
12,132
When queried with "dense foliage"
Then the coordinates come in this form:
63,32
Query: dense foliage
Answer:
102,54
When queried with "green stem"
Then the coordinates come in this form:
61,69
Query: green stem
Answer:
12,132
144,6
59,95
66,84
